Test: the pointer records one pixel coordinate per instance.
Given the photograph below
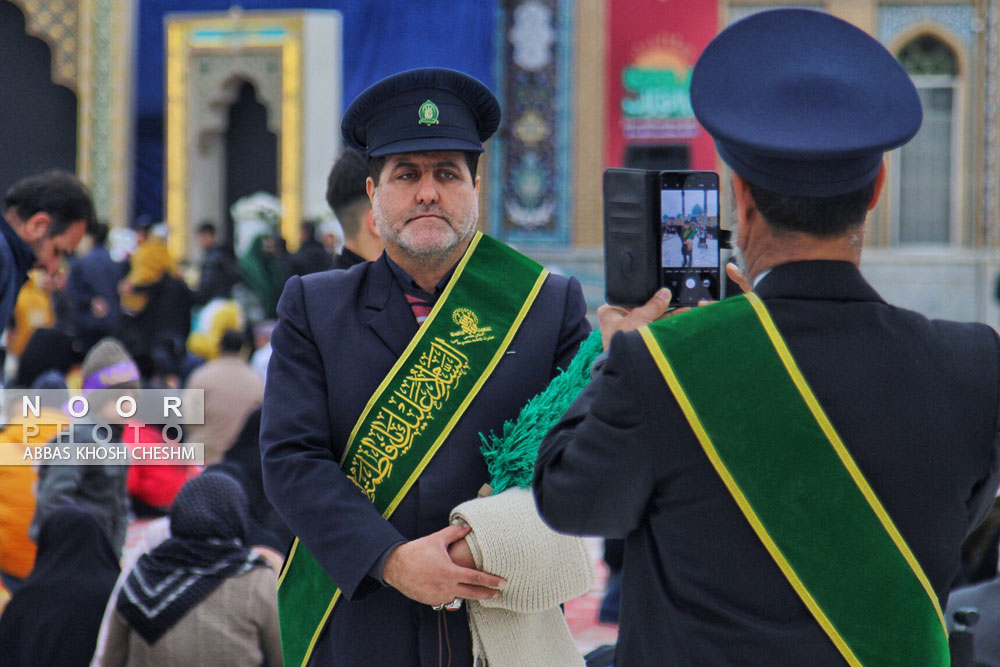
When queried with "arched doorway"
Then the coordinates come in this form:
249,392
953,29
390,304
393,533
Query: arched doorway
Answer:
251,151
39,117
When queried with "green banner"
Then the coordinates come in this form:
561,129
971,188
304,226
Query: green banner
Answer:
414,409
797,485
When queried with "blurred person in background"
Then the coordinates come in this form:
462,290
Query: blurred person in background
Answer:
264,270
348,198
17,482
101,489
266,528
93,308
232,391
201,597
44,218
311,257
158,303
218,268
262,348
50,350
33,310
150,262
53,619
151,488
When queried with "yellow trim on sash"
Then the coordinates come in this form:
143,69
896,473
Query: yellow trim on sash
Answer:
845,456
284,566
319,628
744,504
474,391
424,327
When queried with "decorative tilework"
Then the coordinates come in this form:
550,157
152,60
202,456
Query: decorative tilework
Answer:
56,22
101,93
959,19
104,93
530,158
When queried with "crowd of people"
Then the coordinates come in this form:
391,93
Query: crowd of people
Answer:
799,496
82,320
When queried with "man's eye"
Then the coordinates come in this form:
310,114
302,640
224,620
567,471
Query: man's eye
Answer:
448,175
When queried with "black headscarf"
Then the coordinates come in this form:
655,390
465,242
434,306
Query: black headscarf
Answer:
208,526
54,618
242,461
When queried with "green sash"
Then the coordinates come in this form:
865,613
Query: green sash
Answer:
797,484
414,409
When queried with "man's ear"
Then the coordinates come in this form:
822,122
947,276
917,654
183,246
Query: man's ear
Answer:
879,184
369,223
742,198
36,227
477,184
370,189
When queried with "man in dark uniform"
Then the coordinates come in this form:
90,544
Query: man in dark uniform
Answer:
346,195
801,106
340,333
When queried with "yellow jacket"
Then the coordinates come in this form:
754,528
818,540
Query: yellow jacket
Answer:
17,490
150,262
33,310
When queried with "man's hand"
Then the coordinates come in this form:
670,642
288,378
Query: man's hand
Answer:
423,571
615,318
461,554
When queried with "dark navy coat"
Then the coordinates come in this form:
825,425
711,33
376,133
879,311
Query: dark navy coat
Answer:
914,400
338,335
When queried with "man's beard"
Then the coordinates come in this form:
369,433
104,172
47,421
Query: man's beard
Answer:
462,225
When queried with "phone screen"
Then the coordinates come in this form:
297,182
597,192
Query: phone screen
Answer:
689,235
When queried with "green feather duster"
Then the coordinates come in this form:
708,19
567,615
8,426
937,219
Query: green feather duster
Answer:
511,456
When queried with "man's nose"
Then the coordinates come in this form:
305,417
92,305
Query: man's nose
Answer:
427,192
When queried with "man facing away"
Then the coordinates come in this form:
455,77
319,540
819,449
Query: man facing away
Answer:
798,492
218,268
386,366
347,197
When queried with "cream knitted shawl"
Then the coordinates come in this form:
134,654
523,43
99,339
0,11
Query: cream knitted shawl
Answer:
524,626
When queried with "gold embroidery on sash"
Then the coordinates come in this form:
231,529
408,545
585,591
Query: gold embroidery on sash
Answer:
470,332
426,388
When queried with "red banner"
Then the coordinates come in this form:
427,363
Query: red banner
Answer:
652,46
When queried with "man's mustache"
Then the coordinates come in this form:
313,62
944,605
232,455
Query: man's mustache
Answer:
427,210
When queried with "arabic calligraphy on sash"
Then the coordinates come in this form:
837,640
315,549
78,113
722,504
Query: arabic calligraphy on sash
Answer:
426,387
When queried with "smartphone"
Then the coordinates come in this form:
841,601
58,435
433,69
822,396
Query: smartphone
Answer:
689,236
661,228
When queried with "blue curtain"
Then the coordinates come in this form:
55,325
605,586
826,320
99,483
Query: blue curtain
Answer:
380,37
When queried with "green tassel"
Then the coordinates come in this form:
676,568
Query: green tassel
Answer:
511,456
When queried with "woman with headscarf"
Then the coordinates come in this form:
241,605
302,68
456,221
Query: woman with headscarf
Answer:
54,616
264,270
201,597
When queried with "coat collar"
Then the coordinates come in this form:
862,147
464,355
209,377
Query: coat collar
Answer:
24,256
829,280
390,316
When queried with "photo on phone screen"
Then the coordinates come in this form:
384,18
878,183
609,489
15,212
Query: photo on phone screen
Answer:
689,240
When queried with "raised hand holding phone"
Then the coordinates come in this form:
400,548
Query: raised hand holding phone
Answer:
661,229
